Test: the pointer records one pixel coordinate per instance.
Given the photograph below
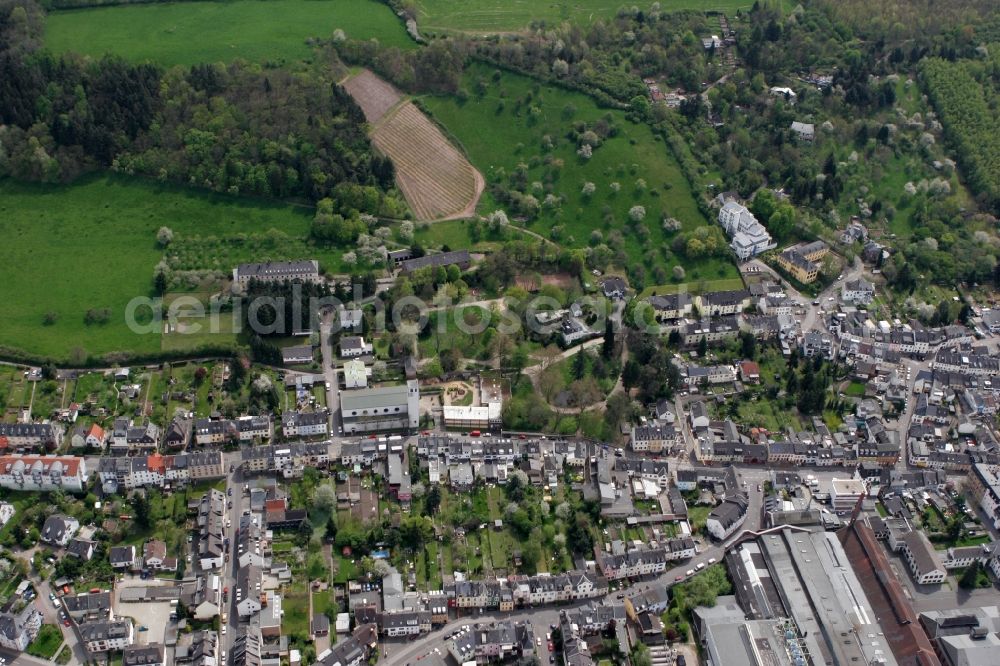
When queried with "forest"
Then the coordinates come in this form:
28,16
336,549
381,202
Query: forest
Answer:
228,128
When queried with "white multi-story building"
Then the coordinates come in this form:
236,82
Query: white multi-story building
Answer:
727,517
17,631
859,292
845,493
924,562
107,636
748,236
305,424
43,473
984,485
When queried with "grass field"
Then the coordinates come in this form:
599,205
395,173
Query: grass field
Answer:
47,642
512,15
68,249
497,136
703,287
185,33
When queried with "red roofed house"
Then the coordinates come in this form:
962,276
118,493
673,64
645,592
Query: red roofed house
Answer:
95,436
749,372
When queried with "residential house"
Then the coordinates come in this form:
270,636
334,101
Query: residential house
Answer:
297,355
859,292
59,529
614,288
353,346
727,517
18,631
25,436
98,637
306,424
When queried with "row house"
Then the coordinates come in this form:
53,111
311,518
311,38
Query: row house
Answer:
657,471
592,619
404,623
718,303
776,304
966,363
128,437
353,650
363,453
88,607
549,589
211,525
90,437
910,342
498,641
653,438
670,307
43,473
634,563
719,329
287,459
124,473
229,431
764,327
712,374
306,424
99,637
27,436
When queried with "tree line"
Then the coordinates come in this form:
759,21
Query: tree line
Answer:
229,128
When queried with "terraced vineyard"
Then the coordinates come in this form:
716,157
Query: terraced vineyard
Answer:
437,180
372,94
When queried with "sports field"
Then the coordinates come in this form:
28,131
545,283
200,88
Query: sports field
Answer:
513,15
69,249
498,138
185,33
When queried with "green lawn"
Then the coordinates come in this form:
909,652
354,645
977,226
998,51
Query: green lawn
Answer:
498,137
47,642
70,248
186,33
698,516
701,287
855,389
510,15
295,604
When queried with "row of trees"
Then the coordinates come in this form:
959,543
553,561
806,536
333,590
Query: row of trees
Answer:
971,123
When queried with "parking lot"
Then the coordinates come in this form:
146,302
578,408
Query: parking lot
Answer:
152,615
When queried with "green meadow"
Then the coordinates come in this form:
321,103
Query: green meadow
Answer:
497,138
513,15
185,33
92,245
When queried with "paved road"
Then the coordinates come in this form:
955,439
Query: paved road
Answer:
330,372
